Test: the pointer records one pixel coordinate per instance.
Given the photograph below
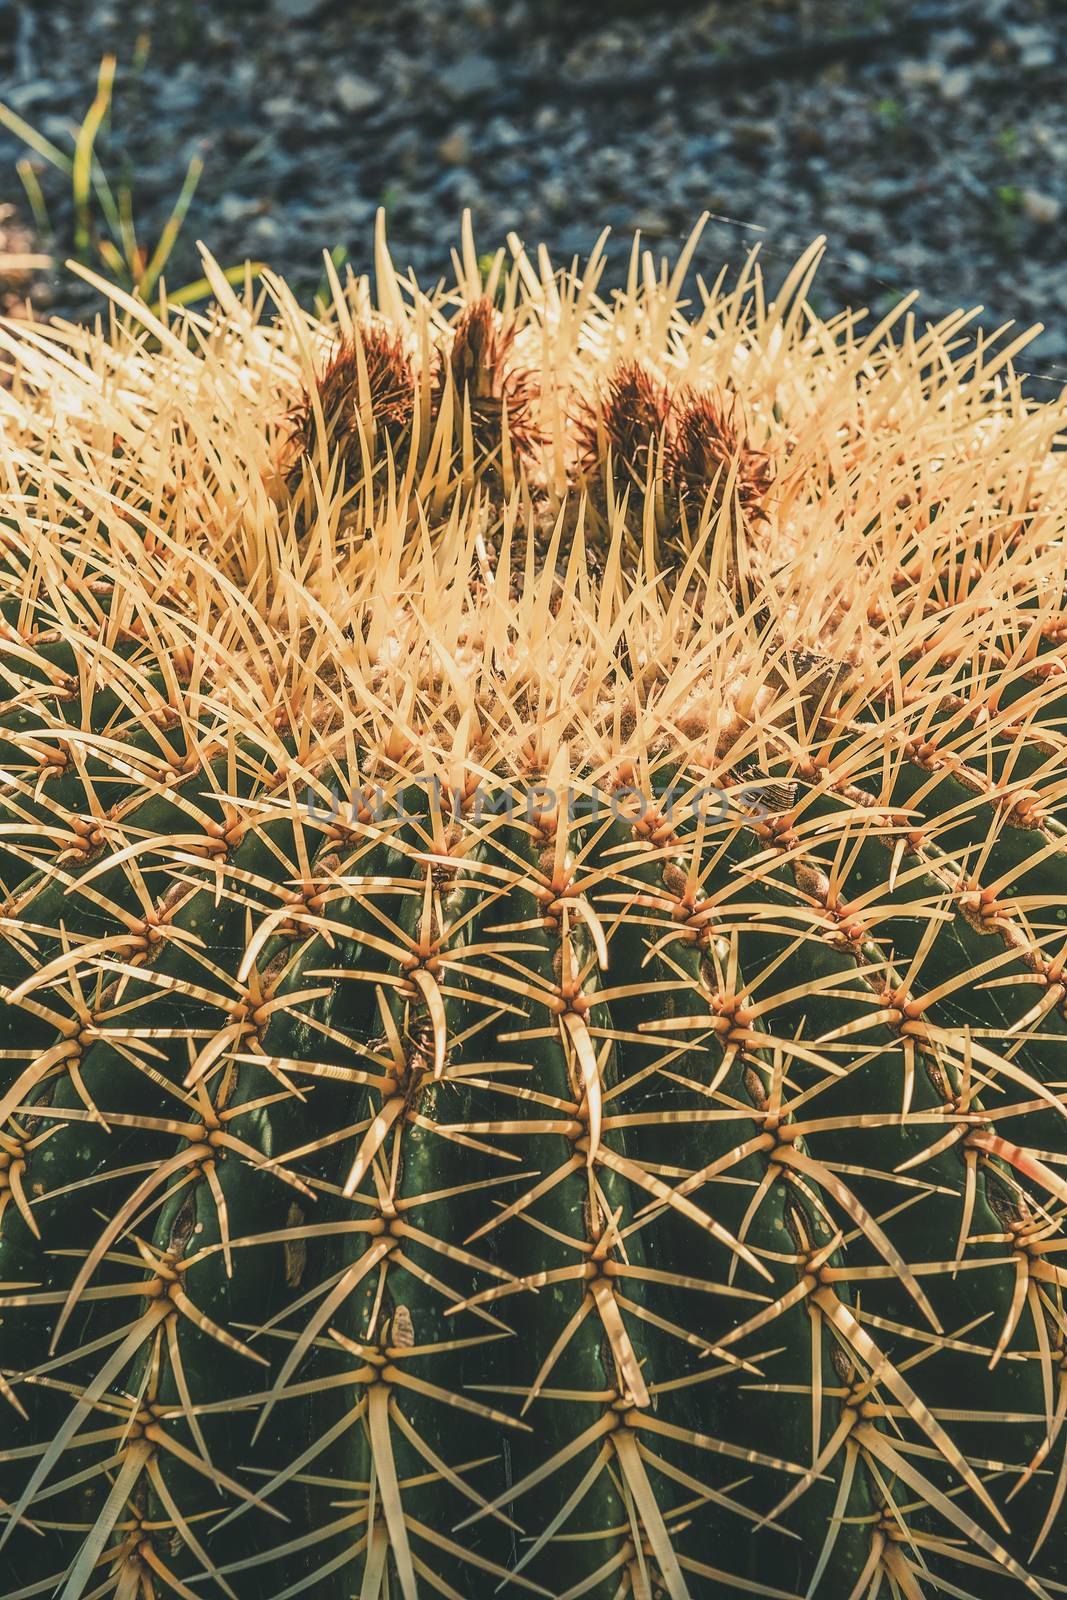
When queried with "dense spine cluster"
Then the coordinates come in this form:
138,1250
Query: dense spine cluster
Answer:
533,1013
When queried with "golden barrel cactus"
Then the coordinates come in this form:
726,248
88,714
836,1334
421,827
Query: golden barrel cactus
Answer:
532,950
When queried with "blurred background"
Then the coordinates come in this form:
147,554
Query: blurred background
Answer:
926,138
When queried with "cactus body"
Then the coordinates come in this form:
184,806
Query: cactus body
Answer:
520,1072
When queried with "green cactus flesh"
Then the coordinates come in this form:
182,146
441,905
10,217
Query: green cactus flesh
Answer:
524,1196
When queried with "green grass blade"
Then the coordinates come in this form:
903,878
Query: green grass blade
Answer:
127,233
168,238
36,141
200,289
35,198
82,170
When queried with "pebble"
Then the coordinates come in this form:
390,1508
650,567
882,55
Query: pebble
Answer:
951,43
1037,56
22,97
652,224
455,149
1043,208
233,208
470,75
751,132
921,74
297,10
1035,46
956,85
280,108
355,94
266,231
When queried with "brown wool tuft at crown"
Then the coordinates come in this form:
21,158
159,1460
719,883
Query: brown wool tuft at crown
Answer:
627,418
484,373
709,452
367,383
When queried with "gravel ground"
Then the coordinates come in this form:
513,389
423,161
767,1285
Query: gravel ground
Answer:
927,141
